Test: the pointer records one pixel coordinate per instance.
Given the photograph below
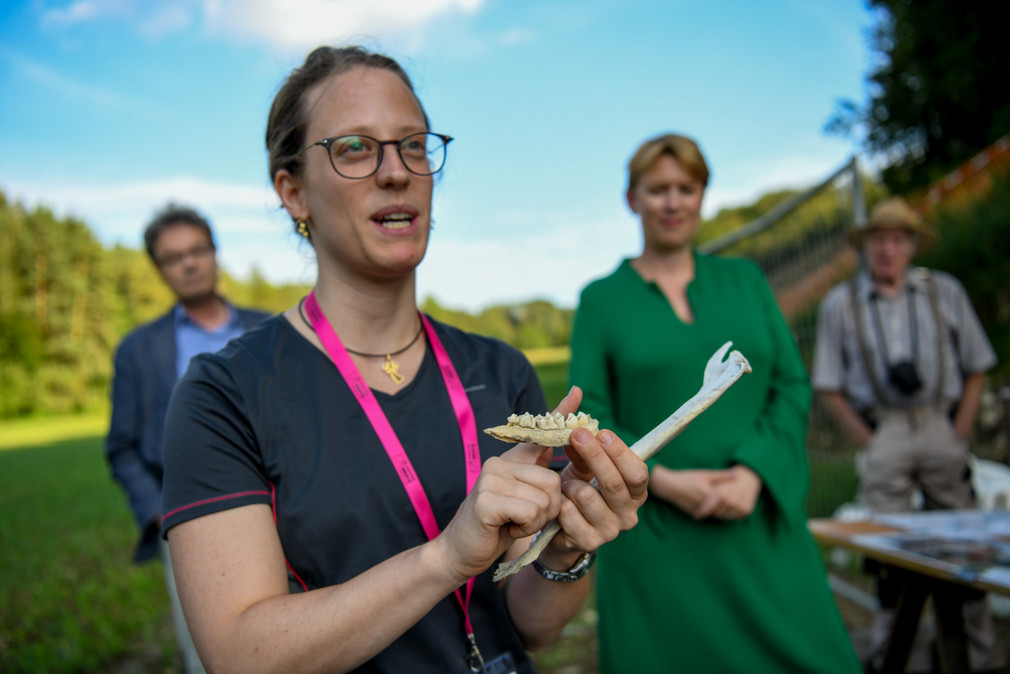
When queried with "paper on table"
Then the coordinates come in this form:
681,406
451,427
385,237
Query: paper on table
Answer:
952,523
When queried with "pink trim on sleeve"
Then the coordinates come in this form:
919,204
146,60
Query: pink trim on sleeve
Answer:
213,500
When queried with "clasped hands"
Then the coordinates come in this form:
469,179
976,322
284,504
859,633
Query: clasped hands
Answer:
728,494
517,494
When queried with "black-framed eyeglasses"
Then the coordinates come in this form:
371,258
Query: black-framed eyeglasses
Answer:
175,259
356,156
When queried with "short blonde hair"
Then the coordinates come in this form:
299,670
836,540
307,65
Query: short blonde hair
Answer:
681,148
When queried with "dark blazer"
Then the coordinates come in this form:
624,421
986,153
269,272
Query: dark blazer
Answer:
145,374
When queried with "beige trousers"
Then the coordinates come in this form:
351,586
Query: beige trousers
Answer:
918,450
915,450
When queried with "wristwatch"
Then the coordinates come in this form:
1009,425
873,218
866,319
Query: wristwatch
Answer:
573,574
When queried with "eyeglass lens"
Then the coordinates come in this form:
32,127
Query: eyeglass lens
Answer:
359,156
175,259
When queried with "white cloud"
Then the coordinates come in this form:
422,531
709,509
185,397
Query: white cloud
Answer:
250,228
167,19
117,212
514,36
75,13
553,266
285,25
302,24
129,194
267,244
68,87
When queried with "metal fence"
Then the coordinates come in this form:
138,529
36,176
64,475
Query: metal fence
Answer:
803,248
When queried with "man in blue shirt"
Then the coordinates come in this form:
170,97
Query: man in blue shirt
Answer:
148,363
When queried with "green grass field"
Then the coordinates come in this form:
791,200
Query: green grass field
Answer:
72,599
554,380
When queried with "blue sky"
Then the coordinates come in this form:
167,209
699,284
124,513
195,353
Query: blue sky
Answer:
111,108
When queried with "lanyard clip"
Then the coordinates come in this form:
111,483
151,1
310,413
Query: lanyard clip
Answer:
473,657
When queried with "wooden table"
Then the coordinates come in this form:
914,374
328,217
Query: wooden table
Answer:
943,580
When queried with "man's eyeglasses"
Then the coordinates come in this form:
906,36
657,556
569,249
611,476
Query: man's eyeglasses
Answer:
176,259
356,156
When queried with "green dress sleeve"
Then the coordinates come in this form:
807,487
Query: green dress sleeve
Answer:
590,367
776,449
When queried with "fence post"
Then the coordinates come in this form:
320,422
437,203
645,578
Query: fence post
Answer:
858,197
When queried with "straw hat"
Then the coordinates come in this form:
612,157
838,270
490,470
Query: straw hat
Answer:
895,213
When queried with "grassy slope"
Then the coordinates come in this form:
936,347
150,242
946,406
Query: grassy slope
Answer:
72,599
23,433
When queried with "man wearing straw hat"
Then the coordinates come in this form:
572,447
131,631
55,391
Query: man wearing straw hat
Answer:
900,363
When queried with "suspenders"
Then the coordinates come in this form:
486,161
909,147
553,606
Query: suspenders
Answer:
878,388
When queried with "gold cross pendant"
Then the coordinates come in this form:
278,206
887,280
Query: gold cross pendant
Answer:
392,368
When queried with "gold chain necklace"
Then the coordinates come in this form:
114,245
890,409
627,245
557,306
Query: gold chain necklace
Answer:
390,366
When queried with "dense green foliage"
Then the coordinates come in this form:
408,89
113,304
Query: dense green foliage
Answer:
730,219
56,297
823,214
939,94
534,325
973,247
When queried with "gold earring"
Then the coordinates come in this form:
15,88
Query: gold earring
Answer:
302,228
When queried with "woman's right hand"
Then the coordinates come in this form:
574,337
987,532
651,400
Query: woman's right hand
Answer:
686,489
515,495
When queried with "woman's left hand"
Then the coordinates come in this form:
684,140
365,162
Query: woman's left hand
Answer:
732,498
590,517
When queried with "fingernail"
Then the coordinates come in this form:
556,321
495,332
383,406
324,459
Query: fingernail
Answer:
581,434
606,439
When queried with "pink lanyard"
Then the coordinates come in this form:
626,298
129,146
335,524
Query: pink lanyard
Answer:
394,449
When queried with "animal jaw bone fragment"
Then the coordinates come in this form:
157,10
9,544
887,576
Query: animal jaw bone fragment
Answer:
719,376
549,430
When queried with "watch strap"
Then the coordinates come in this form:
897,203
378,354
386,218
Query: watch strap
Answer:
580,569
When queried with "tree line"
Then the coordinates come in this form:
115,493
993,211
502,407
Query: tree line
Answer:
66,301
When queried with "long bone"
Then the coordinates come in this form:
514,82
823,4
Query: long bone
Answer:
719,376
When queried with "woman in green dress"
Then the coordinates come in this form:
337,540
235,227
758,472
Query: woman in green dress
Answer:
721,574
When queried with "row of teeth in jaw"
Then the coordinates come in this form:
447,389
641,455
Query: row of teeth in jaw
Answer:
550,422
